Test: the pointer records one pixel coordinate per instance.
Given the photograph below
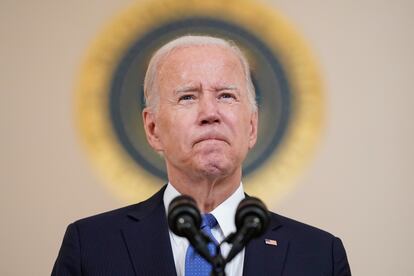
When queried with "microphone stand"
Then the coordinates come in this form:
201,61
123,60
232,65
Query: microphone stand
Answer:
238,240
218,263
184,220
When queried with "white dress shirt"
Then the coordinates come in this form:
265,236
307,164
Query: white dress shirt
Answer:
224,213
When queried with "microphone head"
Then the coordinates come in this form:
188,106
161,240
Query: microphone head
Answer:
183,214
254,210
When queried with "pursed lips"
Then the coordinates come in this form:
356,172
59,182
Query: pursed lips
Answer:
209,137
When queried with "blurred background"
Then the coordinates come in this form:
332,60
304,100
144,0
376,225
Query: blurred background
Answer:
358,185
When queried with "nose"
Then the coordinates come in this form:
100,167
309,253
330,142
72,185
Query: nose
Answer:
208,111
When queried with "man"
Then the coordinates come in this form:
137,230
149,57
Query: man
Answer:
202,117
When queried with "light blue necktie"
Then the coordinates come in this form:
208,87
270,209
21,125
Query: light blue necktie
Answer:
195,265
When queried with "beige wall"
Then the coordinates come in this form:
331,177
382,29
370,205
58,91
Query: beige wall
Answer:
358,186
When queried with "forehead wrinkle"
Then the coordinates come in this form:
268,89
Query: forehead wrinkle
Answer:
220,87
170,62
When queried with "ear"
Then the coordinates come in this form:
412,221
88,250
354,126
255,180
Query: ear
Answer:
151,129
254,120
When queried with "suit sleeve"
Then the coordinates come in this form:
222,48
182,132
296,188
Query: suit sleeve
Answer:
68,262
340,261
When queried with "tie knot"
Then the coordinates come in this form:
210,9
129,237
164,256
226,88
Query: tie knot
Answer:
208,220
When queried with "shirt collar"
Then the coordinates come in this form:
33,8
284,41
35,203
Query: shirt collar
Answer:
226,210
169,194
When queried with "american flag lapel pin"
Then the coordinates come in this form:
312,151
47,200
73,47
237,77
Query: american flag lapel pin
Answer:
271,242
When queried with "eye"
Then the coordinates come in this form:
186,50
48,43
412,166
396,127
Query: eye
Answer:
187,97
227,95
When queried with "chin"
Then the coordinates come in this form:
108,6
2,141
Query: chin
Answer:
215,168
213,171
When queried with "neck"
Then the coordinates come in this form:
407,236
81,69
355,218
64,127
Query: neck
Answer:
208,192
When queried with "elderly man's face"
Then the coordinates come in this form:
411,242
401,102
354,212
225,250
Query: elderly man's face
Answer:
204,125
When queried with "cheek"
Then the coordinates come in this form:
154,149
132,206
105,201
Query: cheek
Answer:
240,127
175,131
238,122
231,116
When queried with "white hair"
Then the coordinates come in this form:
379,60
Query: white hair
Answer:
150,89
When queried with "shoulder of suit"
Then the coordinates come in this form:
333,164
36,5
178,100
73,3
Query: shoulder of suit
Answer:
296,228
120,215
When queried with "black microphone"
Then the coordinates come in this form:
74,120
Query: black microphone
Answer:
184,220
252,219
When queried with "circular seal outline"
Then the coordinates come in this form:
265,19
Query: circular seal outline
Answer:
132,183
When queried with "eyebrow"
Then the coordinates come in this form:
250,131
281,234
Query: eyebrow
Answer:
193,88
226,87
187,88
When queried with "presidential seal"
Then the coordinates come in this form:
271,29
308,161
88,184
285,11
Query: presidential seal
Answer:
109,96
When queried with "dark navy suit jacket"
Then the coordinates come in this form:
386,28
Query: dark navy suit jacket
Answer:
134,240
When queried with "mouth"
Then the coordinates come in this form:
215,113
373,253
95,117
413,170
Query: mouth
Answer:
212,138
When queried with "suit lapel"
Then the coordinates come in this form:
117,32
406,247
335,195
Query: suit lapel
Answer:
148,240
266,259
